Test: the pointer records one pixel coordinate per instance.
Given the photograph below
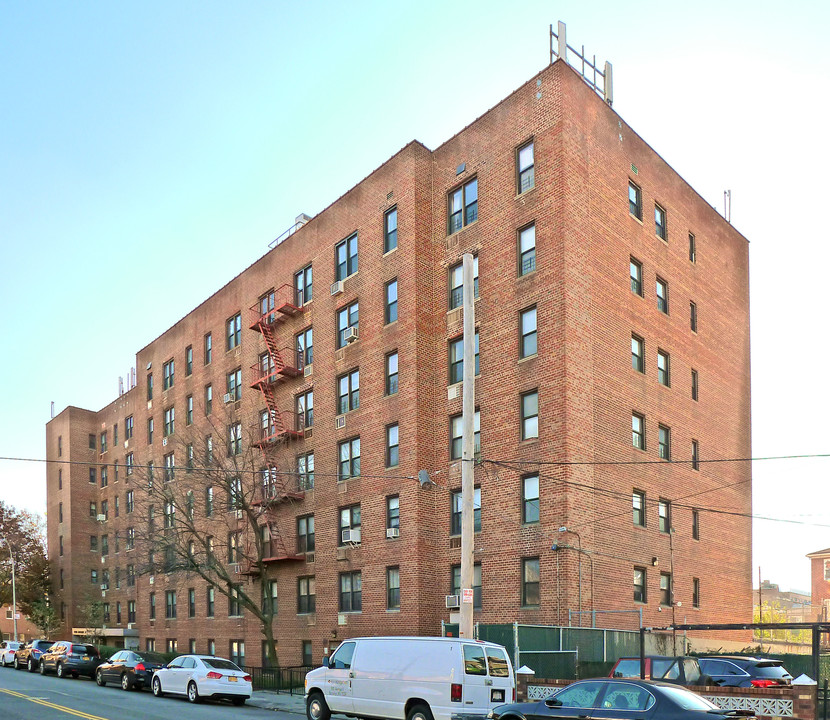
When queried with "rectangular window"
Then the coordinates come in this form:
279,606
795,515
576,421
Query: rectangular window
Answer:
527,250
660,222
455,584
530,499
152,606
305,347
266,307
130,538
530,415
208,348
393,512
210,602
307,657
693,316
664,442
349,458
696,592
663,368
525,167
692,249
270,599
93,475
531,596
456,359
662,296
234,546
456,438
169,421
92,445
188,410
188,360
349,529
93,509
345,258
104,477
305,534
233,331
303,287
664,516
103,442
168,374
695,455
348,392
234,384
393,588
665,589
128,428
347,317
306,595
150,429
171,604
528,344
209,501
392,445
462,206
455,512
635,269
351,592
149,386
694,384
390,230
638,431
130,610
234,604
391,301
392,373
305,471
695,525
457,283
169,467
638,504
638,354
93,543
640,595
635,200
304,407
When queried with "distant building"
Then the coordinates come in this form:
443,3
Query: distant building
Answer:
789,606
25,630
820,581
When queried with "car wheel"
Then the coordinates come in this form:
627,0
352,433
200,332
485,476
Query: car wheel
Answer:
59,671
419,712
30,665
16,664
99,679
157,691
42,669
238,701
316,707
192,692
126,682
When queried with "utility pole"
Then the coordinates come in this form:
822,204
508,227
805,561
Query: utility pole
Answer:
465,629
14,587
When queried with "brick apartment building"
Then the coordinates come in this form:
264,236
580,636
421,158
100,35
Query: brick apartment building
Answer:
613,317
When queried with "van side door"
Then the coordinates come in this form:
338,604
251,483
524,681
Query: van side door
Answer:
338,685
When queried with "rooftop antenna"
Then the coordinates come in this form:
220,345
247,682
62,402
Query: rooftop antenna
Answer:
120,386
727,205
53,408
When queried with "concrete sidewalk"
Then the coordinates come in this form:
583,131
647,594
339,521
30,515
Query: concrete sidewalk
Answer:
271,700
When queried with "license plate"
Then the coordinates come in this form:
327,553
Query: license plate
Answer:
86,657
232,678
497,695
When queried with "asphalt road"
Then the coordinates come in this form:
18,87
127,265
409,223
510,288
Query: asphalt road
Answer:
25,696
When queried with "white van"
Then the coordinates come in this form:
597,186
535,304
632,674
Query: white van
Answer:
411,678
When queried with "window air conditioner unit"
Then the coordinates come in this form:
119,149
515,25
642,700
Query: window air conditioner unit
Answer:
130,626
454,392
101,517
393,532
350,334
337,287
235,568
309,557
307,370
164,442
339,422
227,397
453,601
103,586
351,536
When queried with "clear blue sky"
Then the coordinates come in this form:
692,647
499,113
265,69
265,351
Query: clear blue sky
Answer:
138,139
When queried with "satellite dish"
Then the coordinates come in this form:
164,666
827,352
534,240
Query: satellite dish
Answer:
423,478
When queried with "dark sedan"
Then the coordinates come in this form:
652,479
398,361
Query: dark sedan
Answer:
129,669
618,699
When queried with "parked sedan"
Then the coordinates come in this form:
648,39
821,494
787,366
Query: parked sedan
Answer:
29,655
7,650
742,671
618,699
66,658
130,669
203,676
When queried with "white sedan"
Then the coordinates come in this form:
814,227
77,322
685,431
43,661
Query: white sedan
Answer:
7,651
203,676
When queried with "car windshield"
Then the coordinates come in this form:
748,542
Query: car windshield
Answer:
688,700
220,664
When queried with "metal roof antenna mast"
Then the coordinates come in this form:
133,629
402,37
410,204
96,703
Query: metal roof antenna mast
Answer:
601,80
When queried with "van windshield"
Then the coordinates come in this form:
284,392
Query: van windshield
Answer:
498,663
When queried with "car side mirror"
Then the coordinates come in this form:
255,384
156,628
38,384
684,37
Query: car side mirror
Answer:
325,661
552,702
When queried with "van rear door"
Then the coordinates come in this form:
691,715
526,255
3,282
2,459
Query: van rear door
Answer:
501,675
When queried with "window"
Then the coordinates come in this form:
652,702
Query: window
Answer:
171,604
638,354
392,445
660,222
305,347
349,522
233,327
306,598
635,200
527,324
130,611
188,360
524,167
208,348
393,512
93,475
345,258
392,301
128,428
636,273
234,604
693,316
665,589
210,603
349,458
640,595
234,384
169,421
266,307
305,534
662,296
307,658
169,514
234,546
304,407
305,471
530,499
692,249
351,595
456,439
130,538
168,374
664,442
303,287
209,501
209,449
347,317
530,582
527,250
392,373
638,504
455,514
455,584
270,598
235,497
92,445
463,206
152,606
393,588
456,361
235,439
696,592
638,431
60,479
105,509
103,442
663,368
169,467
60,512
694,384
173,646
93,509
664,516
530,415
348,392
695,525
390,230
149,387
115,435
695,455
457,283
93,577
150,429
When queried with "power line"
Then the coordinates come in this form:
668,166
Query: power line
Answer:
661,462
